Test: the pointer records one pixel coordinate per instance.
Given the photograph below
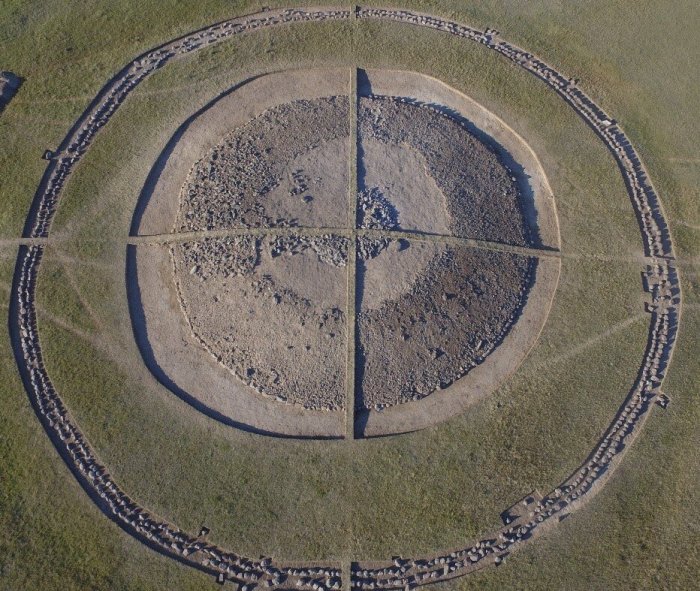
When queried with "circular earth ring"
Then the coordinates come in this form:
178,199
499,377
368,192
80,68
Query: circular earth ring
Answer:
661,280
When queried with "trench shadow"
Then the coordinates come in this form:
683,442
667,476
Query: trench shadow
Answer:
360,415
9,87
364,86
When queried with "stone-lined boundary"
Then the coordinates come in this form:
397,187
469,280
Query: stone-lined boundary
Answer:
523,523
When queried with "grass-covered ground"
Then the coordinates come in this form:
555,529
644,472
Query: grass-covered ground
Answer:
369,499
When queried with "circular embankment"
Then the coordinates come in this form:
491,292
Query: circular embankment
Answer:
258,204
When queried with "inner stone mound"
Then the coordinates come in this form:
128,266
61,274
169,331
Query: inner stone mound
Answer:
388,273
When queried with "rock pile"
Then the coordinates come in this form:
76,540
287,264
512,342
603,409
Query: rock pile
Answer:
457,312
224,257
331,249
374,213
228,187
654,228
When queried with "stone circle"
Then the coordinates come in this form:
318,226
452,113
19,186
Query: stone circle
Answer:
527,518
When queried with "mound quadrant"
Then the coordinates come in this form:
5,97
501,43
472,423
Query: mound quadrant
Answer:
448,309
286,167
271,310
463,188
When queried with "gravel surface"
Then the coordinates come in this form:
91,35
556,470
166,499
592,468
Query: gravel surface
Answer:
481,194
455,313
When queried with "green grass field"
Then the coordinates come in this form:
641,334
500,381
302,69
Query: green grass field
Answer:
410,494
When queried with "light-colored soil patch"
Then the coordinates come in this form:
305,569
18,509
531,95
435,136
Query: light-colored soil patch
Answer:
401,174
193,372
393,272
313,188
